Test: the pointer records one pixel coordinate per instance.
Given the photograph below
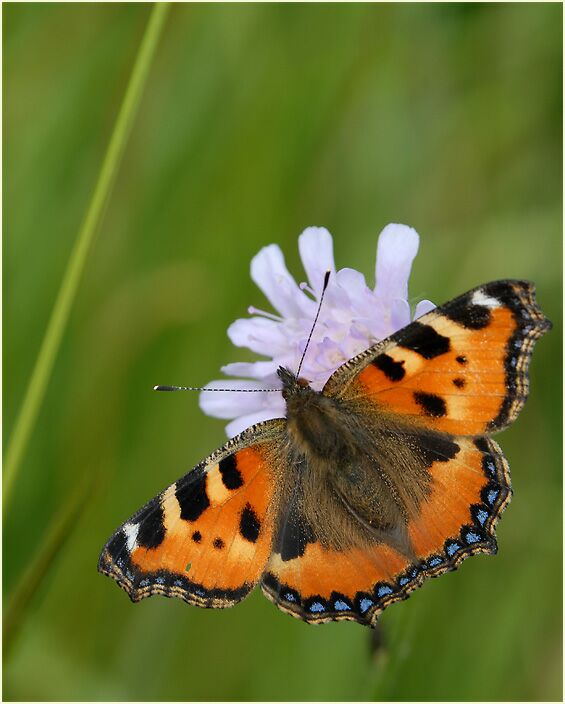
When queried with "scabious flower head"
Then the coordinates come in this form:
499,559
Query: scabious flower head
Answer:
353,317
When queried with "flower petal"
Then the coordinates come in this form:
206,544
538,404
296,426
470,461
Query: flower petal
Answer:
269,272
396,249
352,281
261,335
316,251
399,315
240,424
422,308
253,370
231,403
359,299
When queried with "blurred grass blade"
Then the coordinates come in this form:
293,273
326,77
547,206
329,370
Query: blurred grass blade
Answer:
71,279
59,532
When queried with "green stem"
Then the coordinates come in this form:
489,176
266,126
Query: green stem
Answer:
57,535
57,323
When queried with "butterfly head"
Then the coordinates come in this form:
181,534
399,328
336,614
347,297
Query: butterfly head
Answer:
292,384
314,423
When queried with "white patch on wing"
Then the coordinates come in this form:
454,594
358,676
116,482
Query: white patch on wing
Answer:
131,530
481,299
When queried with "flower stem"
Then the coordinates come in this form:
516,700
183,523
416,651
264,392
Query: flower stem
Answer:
71,279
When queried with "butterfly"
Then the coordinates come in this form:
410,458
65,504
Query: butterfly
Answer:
386,477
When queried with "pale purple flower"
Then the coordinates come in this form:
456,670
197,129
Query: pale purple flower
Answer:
353,317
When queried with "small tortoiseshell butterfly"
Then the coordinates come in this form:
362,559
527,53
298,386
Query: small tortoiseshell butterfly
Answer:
384,478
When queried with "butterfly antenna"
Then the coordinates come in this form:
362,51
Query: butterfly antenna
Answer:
162,387
326,281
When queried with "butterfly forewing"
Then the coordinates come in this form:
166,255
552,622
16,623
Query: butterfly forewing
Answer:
207,537
462,368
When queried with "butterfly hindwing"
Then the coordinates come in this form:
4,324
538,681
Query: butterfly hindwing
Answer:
467,494
207,537
462,368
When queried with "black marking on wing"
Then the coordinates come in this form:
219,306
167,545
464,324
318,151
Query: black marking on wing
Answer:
231,476
435,447
393,370
191,495
432,404
429,445
519,297
249,524
293,535
151,531
422,339
140,585
469,315
270,581
117,544
481,443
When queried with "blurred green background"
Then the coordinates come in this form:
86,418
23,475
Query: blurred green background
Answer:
257,121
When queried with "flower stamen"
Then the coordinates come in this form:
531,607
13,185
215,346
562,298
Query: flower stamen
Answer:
257,311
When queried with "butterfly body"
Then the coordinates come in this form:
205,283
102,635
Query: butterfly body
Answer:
384,478
355,477
315,422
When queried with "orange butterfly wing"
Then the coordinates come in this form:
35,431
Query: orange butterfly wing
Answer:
207,537
462,368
